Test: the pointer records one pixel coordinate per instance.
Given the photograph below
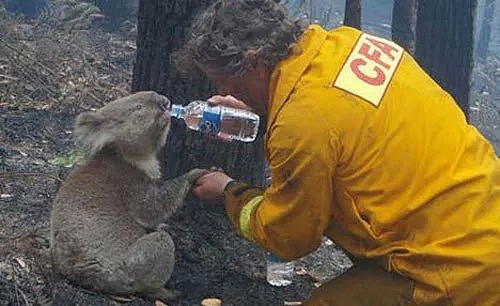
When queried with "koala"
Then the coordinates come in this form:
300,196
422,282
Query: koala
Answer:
109,217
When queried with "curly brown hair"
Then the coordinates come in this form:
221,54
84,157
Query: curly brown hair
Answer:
222,34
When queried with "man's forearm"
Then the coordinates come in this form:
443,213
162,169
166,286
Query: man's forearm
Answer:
240,199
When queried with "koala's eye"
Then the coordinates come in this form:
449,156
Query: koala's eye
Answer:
138,106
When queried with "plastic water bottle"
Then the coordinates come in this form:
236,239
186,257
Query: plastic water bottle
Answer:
279,272
229,123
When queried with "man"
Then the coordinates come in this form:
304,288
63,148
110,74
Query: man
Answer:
364,148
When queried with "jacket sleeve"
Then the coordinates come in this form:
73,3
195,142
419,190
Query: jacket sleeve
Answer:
290,217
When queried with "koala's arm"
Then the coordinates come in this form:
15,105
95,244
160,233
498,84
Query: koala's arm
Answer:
162,199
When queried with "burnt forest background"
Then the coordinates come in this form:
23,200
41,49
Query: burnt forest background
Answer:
61,57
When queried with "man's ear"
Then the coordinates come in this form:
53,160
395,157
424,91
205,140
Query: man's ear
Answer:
252,59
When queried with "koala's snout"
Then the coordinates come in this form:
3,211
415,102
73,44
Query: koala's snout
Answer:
166,107
163,102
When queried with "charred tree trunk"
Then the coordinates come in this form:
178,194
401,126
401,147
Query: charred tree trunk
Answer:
209,256
483,41
445,41
352,16
404,23
162,26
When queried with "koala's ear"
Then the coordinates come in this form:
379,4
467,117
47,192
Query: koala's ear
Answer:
89,120
90,132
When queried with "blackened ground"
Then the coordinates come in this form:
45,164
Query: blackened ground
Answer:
211,260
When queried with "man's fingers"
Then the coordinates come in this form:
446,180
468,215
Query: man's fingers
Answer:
228,101
198,191
202,179
225,139
215,100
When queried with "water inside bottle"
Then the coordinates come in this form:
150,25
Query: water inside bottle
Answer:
194,117
279,272
239,124
227,122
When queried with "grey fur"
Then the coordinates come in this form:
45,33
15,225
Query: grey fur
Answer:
108,218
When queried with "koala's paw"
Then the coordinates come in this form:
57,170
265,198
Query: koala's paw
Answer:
194,174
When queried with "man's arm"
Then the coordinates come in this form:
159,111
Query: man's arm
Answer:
289,218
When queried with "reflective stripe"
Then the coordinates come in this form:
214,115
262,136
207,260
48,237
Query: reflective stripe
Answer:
245,214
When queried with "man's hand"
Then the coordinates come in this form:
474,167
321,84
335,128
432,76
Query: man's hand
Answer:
211,186
228,101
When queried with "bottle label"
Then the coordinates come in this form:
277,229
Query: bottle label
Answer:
210,121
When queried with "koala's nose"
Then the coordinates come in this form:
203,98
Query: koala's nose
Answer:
163,102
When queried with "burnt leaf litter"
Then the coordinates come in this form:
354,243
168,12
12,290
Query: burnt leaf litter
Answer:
49,72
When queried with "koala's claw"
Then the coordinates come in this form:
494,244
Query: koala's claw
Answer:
194,174
162,227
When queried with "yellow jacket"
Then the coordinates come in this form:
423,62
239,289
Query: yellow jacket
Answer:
366,148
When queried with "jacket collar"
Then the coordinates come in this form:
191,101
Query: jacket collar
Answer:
287,72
